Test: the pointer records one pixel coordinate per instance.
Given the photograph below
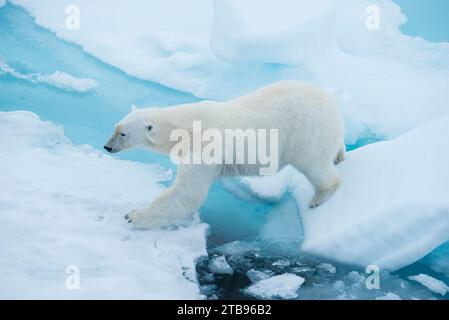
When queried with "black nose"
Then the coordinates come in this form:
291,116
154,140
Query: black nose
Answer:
108,149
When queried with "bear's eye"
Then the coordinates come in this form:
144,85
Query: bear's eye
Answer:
123,135
150,127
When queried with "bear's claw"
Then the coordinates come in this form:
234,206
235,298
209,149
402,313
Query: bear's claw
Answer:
143,219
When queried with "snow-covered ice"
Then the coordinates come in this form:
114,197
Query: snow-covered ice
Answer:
284,286
161,41
391,209
63,205
385,81
58,79
434,285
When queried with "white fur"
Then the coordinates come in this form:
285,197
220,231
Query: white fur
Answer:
310,139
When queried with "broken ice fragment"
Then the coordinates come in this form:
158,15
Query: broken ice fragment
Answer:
219,265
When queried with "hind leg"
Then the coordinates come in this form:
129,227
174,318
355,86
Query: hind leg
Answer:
341,155
325,179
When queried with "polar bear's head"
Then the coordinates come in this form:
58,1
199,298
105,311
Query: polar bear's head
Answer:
142,129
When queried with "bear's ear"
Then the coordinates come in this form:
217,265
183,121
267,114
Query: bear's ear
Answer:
134,108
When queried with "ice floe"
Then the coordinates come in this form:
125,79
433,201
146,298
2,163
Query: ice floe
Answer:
62,211
391,209
434,285
385,81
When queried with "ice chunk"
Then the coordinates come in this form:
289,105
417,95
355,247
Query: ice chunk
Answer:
389,296
219,265
282,263
284,286
327,267
58,79
302,269
236,248
209,290
391,209
62,209
257,275
67,82
434,285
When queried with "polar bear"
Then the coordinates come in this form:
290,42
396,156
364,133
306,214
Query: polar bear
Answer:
310,138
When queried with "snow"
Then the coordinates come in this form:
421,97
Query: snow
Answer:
284,286
434,285
63,205
58,79
391,209
383,80
220,265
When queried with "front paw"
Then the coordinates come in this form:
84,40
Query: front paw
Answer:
139,218
143,219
